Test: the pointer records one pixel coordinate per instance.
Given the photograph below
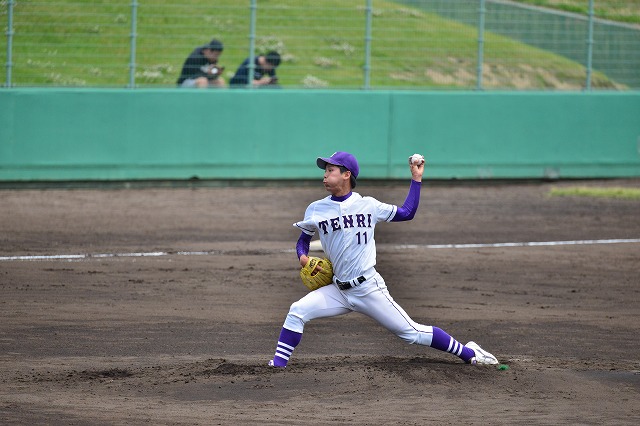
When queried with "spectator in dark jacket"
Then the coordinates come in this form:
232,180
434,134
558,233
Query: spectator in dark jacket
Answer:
264,73
201,68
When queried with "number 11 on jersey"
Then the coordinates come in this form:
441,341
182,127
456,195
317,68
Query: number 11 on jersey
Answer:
362,237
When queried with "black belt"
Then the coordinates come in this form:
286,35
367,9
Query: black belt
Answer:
346,285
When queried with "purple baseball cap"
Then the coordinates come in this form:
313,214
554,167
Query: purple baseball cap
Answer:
343,159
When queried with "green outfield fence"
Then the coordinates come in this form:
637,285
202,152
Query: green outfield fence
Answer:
328,44
167,134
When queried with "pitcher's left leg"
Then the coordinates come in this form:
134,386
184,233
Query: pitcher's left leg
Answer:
380,306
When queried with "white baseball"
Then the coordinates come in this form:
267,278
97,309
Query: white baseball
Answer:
417,159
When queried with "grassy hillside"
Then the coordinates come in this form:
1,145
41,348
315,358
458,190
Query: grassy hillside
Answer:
86,43
615,10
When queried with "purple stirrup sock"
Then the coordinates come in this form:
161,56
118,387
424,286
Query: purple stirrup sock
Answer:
286,344
442,341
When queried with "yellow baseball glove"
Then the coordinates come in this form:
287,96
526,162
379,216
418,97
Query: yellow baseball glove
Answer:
313,278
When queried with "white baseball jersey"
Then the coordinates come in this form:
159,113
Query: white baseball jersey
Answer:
346,231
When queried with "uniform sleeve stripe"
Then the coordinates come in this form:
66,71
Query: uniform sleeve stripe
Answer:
306,231
392,213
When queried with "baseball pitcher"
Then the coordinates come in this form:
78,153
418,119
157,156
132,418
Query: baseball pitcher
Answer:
347,280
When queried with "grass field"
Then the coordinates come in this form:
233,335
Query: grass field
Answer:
614,192
615,10
82,43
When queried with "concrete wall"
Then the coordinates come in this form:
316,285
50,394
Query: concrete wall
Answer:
101,134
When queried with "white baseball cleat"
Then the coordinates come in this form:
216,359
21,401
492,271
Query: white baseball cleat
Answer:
482,356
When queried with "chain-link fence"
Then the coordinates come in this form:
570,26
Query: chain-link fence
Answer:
334,44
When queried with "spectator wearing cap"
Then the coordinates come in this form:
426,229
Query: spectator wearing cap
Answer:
264,72
201,68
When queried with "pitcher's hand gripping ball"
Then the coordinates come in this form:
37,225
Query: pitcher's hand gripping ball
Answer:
314,279
416,159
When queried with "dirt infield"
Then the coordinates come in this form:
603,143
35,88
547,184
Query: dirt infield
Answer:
183,337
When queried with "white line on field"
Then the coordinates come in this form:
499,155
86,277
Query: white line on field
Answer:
521,244
71,257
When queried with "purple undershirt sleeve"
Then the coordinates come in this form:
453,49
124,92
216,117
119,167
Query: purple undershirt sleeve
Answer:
302,247
410,206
